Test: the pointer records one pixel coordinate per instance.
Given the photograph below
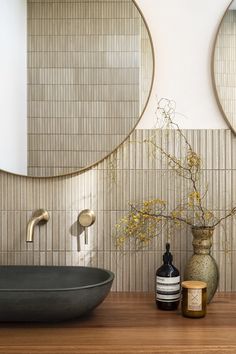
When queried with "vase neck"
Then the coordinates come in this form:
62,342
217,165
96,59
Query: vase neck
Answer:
202,240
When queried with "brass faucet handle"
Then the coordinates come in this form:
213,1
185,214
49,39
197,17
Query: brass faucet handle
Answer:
86,217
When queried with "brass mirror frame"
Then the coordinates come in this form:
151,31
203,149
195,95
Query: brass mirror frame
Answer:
213,73
138,120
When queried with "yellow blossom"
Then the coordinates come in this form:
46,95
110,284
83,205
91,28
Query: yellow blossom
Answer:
208,215
176,213
194,196
193,160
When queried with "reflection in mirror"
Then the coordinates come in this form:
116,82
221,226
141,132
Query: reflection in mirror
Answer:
224,65
89,75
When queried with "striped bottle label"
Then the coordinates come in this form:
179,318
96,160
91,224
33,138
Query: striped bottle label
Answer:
168,289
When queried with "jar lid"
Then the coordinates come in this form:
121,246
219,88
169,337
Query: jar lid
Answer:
194,284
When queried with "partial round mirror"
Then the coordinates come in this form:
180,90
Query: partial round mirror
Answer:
76,76
224,66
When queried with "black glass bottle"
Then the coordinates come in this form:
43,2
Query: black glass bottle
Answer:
167,283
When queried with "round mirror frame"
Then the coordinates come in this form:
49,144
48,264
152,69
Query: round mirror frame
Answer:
213,73
132,130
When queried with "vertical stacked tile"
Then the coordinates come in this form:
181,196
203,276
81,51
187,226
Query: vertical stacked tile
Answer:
83,81
130,174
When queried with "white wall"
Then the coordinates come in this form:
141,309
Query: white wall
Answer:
13,129
233,5
183,33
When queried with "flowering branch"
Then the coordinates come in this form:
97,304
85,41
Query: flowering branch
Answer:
145,220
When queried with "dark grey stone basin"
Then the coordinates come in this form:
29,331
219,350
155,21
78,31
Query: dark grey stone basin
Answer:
33,293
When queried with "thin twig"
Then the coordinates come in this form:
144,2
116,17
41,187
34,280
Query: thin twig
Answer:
233,212
162,216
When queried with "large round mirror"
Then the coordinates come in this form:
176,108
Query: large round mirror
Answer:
76,76
224,66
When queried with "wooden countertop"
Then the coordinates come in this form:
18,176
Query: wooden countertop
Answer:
129,323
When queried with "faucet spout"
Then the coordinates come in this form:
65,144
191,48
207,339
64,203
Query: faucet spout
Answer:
40,217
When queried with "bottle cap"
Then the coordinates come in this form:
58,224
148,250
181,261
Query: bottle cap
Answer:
193,284
167,256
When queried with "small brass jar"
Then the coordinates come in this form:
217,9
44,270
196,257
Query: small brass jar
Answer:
194,298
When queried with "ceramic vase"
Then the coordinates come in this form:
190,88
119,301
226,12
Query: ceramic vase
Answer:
202,266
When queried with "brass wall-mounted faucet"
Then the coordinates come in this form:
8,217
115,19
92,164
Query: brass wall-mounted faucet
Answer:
39,217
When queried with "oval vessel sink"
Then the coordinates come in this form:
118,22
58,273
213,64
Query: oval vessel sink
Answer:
41,293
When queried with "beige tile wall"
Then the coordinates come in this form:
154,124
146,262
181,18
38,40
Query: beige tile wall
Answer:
107,191
84,61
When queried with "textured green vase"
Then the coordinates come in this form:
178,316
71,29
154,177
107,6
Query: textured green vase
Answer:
202,266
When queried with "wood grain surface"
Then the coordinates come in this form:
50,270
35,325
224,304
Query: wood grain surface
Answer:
129,323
